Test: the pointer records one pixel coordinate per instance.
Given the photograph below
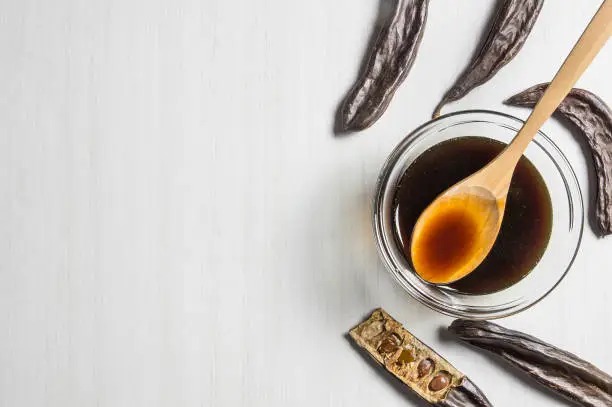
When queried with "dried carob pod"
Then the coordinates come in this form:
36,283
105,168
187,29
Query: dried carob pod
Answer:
558,370
594,120
415,364
510,29
388,64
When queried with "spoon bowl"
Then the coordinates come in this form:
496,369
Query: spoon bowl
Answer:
452,237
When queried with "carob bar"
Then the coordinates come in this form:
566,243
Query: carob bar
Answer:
415,364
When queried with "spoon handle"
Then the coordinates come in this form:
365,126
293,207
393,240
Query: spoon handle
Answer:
592,40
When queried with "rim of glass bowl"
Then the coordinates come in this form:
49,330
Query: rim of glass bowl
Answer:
419,289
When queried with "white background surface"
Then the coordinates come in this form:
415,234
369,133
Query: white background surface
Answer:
179,227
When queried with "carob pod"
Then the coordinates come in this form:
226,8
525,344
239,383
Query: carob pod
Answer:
594,120
389,62
415,364
510,29
558,370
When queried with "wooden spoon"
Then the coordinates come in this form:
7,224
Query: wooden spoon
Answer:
457,230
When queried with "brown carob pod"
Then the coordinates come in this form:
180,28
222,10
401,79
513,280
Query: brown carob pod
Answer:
594,120
415,364
556,369
388,64
510,29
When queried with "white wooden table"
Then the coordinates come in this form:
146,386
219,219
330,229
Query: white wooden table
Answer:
179,227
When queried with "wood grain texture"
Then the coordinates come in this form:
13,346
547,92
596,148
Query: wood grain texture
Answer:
181,228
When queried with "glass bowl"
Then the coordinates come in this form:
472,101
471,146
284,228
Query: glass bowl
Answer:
566,234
